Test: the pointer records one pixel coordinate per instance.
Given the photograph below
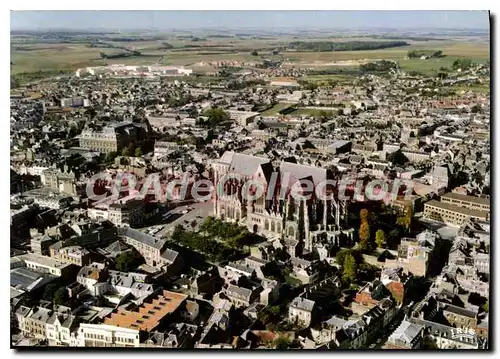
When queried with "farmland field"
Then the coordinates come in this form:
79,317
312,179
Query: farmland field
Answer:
36,55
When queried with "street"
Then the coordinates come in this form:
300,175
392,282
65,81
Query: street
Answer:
195,212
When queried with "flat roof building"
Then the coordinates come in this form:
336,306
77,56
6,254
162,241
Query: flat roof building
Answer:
451,214
470,202
149,315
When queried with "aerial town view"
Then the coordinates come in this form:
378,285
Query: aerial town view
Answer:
239,180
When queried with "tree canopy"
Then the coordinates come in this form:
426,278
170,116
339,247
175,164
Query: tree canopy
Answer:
380,238
427,53
216,116
397,158
325,46
128,261
350,269
343,253
60,296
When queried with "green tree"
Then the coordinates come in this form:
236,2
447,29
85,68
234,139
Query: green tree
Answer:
60,296
254,53
110,157
397,158
485,306
363,215
126,151
364,236
129,261
343,253
138,152
216,116
350,269
14,82
282,343
380,238
405,220
275,310
50,289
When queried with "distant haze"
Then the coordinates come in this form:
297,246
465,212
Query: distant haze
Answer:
259,20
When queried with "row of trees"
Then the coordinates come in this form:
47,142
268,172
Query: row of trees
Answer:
239,85
427,53
378,66
120,55
323,46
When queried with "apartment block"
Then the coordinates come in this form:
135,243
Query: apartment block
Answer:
464,201
103,335
451,214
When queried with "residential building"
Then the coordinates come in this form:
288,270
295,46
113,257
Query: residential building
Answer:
300,311
445,337
101,281
413,257
72,254
163,148
451,214
45,264
464,201
153,249
104,335
111,138
240,296
129,213
407,336
33,321
59,328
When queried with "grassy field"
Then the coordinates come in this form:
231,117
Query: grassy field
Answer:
310,112
324,79
32,56
273,111
480,88
432,66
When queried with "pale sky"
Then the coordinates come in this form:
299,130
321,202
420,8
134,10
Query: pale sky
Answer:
164,20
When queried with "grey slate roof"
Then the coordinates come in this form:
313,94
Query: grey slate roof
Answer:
406,332
460,311
238,292
170,255
116,247
41,314
24,278
298,172
141,237
242,164
303,304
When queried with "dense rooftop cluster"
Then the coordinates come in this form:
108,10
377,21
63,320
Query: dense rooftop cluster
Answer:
129,269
